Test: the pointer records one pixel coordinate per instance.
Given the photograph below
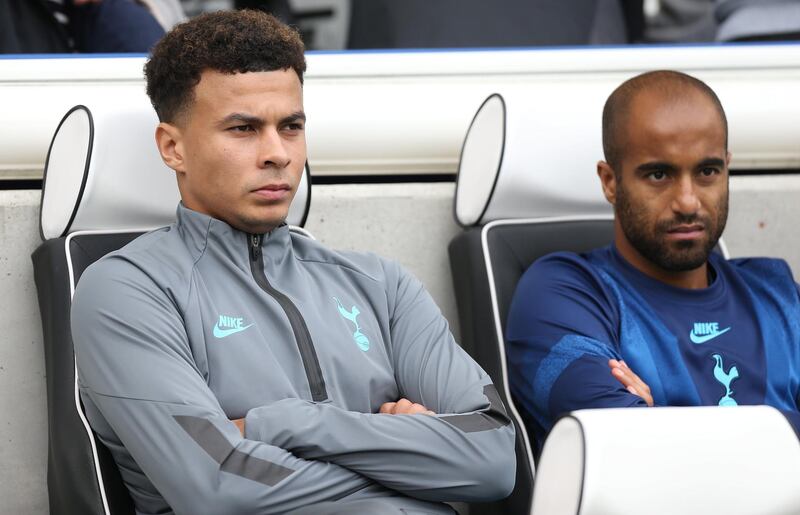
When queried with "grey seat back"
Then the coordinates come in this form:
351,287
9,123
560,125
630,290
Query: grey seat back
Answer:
81,474
487,262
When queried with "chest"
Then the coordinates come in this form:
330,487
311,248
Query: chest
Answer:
693,354
313,333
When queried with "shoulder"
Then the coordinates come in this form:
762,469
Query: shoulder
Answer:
563,269
365,266
759,266
155,261
564,293
767,277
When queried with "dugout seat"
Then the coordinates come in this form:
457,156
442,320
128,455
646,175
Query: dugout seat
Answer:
487,262
514,212
104,185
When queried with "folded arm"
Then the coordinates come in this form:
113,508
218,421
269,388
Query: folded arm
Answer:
463,452
562,335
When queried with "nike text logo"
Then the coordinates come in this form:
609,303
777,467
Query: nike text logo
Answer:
701,336
228,326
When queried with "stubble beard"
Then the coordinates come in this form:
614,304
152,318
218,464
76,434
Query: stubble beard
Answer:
260,224
677,256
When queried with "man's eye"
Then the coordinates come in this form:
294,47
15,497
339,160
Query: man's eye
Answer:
657,176
295,127
709,172
241,128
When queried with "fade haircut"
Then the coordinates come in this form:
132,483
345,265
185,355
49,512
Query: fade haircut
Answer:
224,41
672,84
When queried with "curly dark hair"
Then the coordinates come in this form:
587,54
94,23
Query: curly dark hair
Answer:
223,41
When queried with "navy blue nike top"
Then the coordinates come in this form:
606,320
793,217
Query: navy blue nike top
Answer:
735,342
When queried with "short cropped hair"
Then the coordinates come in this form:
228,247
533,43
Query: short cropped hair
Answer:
617,107
224,41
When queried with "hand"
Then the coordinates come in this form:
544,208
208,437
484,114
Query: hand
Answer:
404,407
240,424
623,374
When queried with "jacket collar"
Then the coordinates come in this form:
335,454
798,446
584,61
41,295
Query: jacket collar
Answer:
207,235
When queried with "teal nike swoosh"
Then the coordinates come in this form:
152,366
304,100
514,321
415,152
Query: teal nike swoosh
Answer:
703,339
222,333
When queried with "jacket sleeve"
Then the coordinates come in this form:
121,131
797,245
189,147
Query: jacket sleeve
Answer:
562,329
136,367
465,452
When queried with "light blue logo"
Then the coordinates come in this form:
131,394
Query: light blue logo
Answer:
704,331
360,338
229,325
725,378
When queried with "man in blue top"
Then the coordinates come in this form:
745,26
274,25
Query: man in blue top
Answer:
656,318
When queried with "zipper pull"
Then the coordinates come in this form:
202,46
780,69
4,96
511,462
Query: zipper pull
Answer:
255,246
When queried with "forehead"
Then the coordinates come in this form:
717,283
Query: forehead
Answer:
672,126
266,94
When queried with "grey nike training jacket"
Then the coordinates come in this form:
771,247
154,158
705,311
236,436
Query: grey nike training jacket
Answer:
196,324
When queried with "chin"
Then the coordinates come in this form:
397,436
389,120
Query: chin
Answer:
260,224
684,258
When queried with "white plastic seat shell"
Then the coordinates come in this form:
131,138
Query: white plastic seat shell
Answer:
88,184
665,461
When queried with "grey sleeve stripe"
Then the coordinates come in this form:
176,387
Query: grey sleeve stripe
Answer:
492,417
207,436
256,469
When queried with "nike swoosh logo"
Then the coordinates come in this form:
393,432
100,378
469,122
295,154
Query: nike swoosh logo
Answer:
222,333
705,338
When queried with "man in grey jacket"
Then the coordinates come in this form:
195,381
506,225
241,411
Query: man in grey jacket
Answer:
233,367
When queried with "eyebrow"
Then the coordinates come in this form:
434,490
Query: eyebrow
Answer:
656,166
294,117
243,118
255,121
711,161
663,166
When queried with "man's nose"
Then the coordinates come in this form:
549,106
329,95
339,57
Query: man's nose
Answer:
272,151
685,200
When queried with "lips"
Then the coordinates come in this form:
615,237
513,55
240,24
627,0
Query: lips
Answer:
686,231
273,191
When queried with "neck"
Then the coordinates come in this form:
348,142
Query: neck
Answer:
690,279
240,224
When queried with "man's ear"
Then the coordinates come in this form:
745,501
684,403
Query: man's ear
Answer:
728,157
608,180
169,140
